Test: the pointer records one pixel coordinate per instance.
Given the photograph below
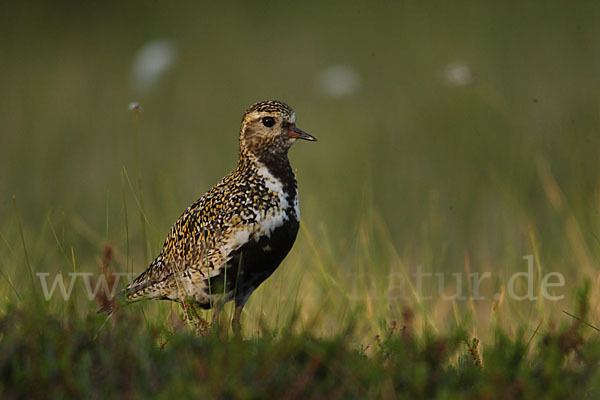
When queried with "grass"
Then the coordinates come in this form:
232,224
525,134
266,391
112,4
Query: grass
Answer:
411,172
70,356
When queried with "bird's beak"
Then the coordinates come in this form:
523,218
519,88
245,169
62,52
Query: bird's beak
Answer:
298,133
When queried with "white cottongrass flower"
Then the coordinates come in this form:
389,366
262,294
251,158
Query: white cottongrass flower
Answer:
338,80
151,62
457,73
135,106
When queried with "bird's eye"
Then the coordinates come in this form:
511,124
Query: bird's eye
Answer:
268,121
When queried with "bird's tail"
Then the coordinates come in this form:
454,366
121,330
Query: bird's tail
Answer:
109,304
133,292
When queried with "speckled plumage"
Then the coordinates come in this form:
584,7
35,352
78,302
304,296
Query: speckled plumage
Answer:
231,239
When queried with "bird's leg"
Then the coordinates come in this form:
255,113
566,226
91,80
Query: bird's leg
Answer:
215,315
235,322
240,301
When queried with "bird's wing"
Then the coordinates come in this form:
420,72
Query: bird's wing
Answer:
199,243
190,244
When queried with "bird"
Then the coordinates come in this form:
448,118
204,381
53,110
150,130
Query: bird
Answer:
235,236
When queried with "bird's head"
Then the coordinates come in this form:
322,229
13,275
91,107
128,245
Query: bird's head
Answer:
269,129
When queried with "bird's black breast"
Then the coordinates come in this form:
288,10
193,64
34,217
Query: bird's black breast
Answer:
255,261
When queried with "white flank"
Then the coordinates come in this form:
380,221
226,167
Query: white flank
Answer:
238,239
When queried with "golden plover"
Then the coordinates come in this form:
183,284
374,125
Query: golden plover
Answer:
234,237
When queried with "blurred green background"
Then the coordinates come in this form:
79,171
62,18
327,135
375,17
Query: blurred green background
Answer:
466,138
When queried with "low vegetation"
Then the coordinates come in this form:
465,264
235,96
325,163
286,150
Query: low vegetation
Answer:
44,354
